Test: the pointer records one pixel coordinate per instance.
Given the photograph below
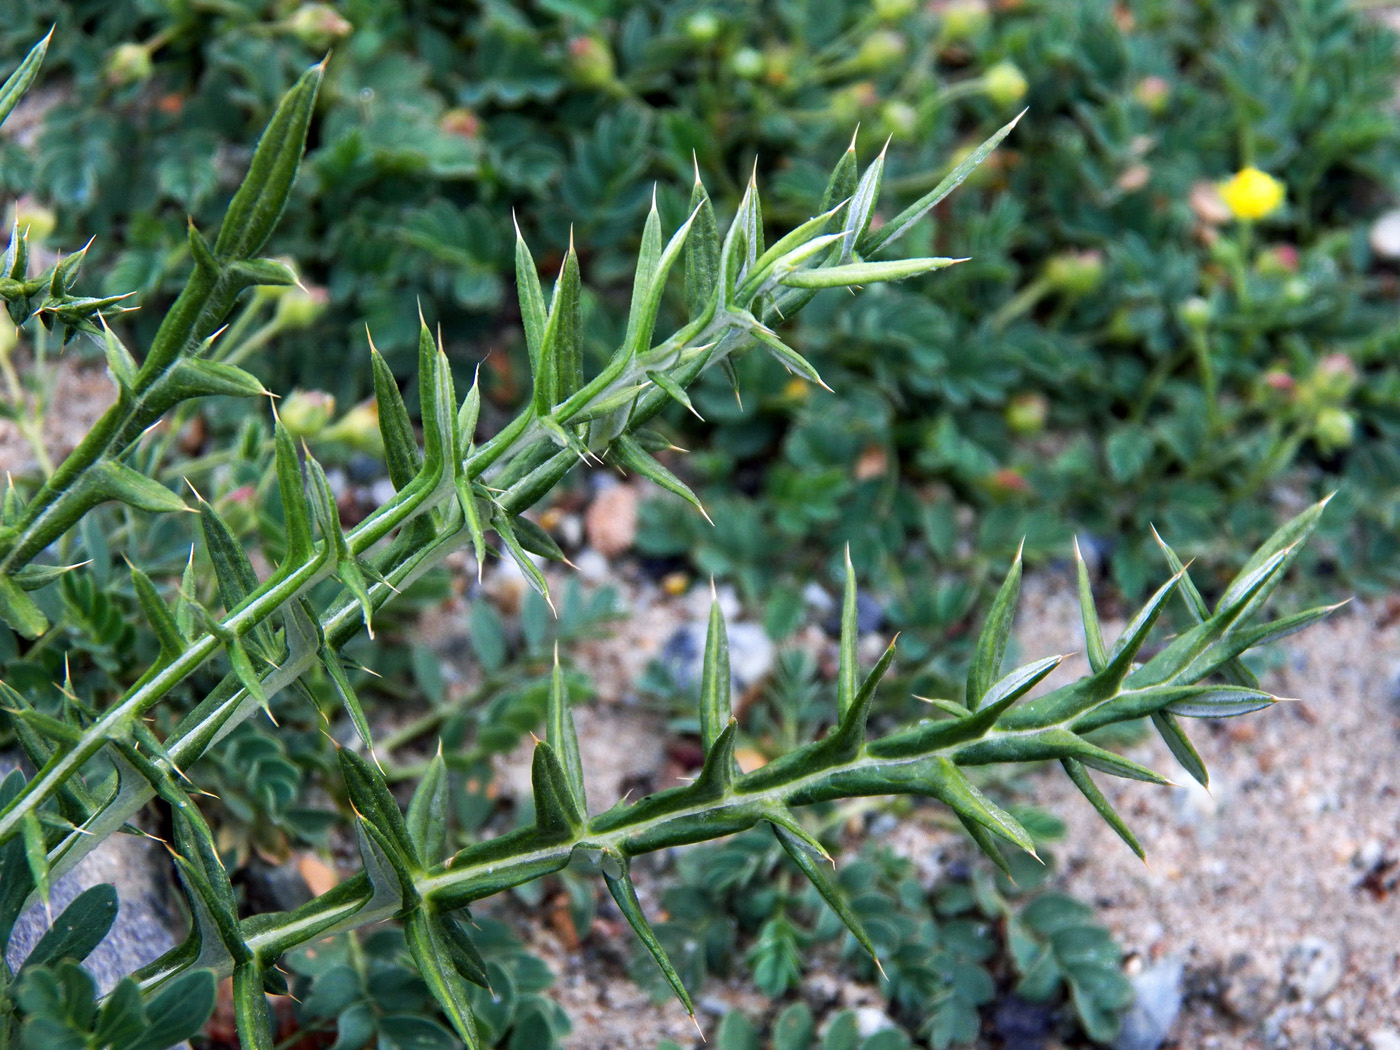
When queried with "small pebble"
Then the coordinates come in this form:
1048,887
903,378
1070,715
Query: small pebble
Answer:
871,1019
1156,1002
1314,968
1383,1039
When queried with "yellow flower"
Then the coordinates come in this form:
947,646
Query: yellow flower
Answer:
1251,193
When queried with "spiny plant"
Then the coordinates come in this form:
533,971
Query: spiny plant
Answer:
96,768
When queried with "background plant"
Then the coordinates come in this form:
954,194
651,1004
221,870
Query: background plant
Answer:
98,760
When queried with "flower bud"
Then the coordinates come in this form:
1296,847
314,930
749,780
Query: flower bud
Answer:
591,62
1334,429
1335,377
461,122
128,64
1007,482
898,119
1075,273
747,63
880,49
1026,414
34,219
1296,291
1252,194
702,28
305,413
853,102
893,10
318,26
1005,84
1153,93
1277,385
1195,313
963,20
358,428
299,307
1278,260
777,64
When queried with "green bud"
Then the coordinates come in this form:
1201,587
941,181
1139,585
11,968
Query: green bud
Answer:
128,64
1334,429
591,62
305,413
1296,291
1075,273
1026,414
1153,94
963,20
702,28
1195,313
880,49
1334,378
299,307
318,26
747,63
893,10
898,119
1005,84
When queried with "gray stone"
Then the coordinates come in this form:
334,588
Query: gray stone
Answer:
147,919
1314,968
871,1019
751,655
1156,1002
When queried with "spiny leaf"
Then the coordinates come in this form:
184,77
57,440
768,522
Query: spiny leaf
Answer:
847,664
800,852
111,480
648,258
714,680
1080,776
1288,540
702,253
19,611
1179,744
381,820
232,568
625,895
716,777
945,782
558,812
295,508
258,204
627,453
561,354
348,697
36,854
674,389
533,314
505,529
1135,634
428,942
400,443
862,208
333,536
193,377
1093,632
891,231
19,81
996,632
857,273
786,355
559,727
172,642
842,183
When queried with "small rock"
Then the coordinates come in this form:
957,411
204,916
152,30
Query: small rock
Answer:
610,522
1023,1025
870,614
381,491
1156,1002
816,598
363,469
1313,968
1383,1039
1385,235
751,655
592,566
871,1019
1196,808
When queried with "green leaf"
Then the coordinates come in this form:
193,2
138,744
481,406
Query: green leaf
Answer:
648,260
1093,632
79,930
996,632
862,206
193,377
36,854
296,510
427,813
897,227
172,642
380,818
1179,744
559,728
20,80
702,253
533,314
786,355
425,934
1080,776
628,454
18,610
801,855
112,480
348,697
715,682
616,875
561,352
858,273
400,443
848,660
258,204
945,782
558,813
